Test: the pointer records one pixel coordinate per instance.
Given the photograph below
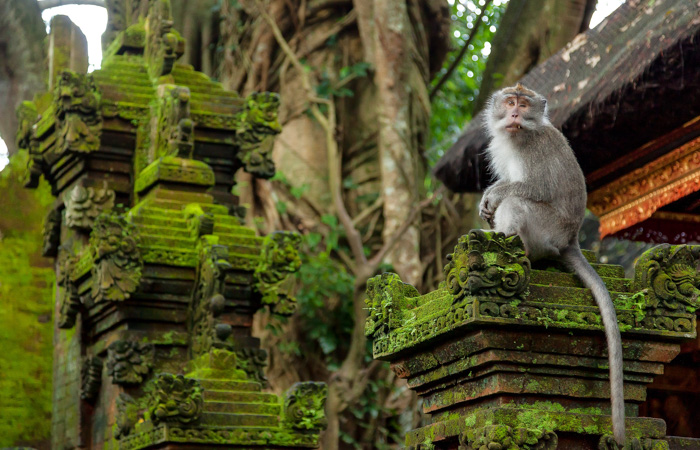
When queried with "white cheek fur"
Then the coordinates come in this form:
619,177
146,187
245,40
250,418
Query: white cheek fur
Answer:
505,161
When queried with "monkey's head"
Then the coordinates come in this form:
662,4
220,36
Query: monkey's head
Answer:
516,110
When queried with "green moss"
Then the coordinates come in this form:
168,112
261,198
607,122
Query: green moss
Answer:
26,331
536,419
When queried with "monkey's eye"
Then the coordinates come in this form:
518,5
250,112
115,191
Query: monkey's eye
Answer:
510,103
523,105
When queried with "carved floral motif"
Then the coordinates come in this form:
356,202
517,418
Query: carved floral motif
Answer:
279,259
83,205
117,264
129,362
304,406
487,263
175,398
255,133
671,275
504,437
78,117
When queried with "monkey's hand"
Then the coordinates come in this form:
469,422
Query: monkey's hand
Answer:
487,209
493,196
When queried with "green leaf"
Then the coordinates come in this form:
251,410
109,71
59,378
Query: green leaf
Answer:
330,220
299,191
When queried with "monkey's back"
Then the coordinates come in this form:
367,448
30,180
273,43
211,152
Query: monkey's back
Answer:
556,168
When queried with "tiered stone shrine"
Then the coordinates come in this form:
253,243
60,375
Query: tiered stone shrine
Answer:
158,277
505,355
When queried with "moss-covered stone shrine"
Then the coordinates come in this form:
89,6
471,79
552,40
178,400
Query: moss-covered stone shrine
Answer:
509,355
158,279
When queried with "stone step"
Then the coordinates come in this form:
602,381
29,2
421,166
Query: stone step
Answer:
175,232
239,420
160,221
237,244
547,278
604,270
112,77
232,221
561,295
242,408
165,240
234,232
230,385
237,396
154,210
589,255
182,196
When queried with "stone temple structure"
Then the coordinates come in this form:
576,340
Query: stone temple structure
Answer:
510,355
158,279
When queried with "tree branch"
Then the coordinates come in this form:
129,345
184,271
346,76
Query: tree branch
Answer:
379,256
462,52
365,213
328,124
46,4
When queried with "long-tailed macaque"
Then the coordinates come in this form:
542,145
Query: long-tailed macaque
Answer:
540,195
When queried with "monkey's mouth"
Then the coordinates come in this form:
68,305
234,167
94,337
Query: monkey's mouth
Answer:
514,127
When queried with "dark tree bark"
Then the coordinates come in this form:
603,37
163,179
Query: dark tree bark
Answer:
22,61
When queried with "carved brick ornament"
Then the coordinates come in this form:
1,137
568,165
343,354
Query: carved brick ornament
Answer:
52,234
127,414
90,377
175,128
487,263
253,362
256,131
387,297
129,362
164,45
209,302
78,118
69,301
304,406
175,399
670,275
117,264
83,205
504,437
279,260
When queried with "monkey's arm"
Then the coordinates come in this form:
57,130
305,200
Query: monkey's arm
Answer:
536,192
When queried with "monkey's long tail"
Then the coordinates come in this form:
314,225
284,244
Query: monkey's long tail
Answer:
573,258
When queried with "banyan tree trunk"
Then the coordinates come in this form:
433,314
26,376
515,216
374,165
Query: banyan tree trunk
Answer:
352,76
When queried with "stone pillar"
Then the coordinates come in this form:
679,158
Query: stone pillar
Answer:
158,277
509,355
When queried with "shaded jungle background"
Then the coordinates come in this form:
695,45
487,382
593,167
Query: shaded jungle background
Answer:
373,93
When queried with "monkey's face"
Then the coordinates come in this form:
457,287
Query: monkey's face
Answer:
517,110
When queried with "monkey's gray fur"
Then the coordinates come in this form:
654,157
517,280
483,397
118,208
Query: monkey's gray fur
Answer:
540,194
